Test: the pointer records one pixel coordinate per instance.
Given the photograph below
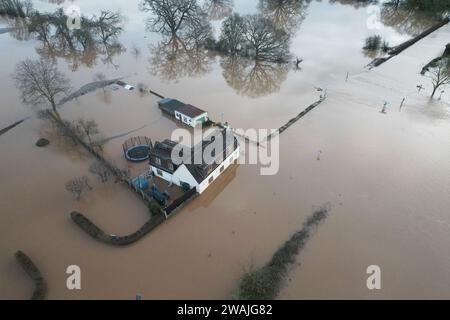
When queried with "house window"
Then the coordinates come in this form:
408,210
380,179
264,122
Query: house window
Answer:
158,161
159,172
170,166
222,168
185,119
211,180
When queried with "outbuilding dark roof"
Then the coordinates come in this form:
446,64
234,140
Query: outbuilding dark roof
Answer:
190,111
169,105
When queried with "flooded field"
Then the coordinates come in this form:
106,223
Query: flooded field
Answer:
386,176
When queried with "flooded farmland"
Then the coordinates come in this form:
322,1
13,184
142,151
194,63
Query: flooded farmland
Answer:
386,176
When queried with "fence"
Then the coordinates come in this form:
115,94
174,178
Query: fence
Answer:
179,202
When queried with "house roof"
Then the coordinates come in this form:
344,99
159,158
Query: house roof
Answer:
199,172
169,105
163,149
163,152
190,111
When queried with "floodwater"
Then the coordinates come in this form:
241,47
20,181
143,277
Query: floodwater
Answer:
387,176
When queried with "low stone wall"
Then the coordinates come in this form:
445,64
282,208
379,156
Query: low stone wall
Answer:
30,268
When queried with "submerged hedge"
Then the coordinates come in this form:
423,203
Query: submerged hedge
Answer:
266,282
95,232
30,268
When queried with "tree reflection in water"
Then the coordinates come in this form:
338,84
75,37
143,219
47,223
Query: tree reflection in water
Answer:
175,58
96,38
253,78
413,16
218,9
286,15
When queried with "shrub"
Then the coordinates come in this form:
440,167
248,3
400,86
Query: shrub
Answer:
42,143
373,43
154,208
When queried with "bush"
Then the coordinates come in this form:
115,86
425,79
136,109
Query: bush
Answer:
185,186
154,208
42,143
373,43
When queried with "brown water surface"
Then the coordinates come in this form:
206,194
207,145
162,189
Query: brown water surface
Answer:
387,176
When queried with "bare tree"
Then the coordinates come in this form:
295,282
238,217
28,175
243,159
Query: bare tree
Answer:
16,8
176,59
286,15
218,9
109,25
101,171
232,37
89,127
439,75
77,186
265,41
98,37
253,78
68,130
40,81
172,17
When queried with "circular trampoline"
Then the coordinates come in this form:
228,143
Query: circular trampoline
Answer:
137,149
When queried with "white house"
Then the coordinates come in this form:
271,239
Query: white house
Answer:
200,176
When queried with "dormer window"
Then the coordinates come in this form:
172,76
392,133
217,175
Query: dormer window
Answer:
158,161
170,166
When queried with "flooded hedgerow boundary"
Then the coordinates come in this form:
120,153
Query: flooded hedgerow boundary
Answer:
33,272
90,87
93,86
281,129
156,219
266,282
295,119
405,45
95,232
10,127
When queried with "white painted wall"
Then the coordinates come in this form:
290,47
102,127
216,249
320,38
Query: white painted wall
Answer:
183,175
216,173
165,175
187,120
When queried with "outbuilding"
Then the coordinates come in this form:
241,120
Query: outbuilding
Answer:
190,115
185,113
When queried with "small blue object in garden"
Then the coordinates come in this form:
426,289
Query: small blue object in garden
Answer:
140,182
158,196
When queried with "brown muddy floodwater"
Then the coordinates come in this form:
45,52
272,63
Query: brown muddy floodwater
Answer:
387,176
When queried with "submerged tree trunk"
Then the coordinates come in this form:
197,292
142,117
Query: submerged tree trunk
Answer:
434,91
